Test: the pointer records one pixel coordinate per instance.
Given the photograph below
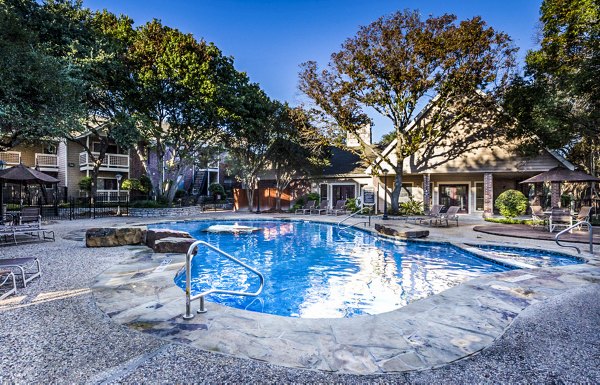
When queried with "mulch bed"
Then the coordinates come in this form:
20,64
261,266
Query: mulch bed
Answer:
529,232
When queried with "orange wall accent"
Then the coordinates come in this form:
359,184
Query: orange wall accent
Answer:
267,199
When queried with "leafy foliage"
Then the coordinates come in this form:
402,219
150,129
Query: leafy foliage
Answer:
394,64
556,104
85,184
511,203
216,189
411,207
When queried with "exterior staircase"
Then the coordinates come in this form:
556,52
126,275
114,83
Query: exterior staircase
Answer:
200,179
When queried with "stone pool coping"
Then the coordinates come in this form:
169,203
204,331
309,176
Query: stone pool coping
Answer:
139,293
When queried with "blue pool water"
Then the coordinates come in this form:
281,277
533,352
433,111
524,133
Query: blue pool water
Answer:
538,258
314,270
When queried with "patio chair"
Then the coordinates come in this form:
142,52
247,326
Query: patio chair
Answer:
27,268
30,216
560,218
7,278
538,215
321,208
339,208
434,212
450,215
583,215
306,208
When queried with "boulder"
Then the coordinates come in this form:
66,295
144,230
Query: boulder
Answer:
401,233
153,235
172,245
113,236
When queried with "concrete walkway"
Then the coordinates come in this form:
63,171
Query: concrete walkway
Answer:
54,332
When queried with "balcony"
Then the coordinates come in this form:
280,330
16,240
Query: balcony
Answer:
112,162
10,158
46,162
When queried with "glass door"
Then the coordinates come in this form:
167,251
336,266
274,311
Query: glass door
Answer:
455,195
342,191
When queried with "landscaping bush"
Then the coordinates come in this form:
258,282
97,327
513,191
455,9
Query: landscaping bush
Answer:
511,203
131,184
148,204
412,207
216,189
85,184
509,221
300,202
145,184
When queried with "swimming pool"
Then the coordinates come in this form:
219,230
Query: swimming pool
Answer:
314,270
537,258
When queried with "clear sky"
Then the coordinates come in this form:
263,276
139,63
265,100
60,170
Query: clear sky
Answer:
269,39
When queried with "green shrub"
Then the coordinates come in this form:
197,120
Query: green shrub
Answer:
313,197
131,184
411,207
508,221
85,184
351,205
148,204
145,184
511,203
216,189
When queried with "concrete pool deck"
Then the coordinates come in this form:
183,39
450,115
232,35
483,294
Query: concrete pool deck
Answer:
56,333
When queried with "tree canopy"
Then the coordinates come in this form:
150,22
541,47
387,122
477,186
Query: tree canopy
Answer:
400,61
556,102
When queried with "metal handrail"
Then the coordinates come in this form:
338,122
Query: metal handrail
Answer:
192,251
590,231
350,216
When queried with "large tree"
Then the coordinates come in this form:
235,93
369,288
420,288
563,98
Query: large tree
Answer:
182,84
398,63
40,91
557,101
298,148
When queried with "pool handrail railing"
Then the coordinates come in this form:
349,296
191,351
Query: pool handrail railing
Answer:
578,224
191,253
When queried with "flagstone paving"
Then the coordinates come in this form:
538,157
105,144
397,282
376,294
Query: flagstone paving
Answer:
425,334
539,325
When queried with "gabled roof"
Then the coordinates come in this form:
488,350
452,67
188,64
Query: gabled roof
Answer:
344,163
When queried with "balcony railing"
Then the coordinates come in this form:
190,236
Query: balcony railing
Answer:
112,162
46,162
10,158
107,195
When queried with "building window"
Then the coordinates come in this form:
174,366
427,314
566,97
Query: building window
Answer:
342,191
479,196
107,184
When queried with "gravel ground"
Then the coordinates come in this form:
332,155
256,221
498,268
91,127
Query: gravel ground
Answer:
56,334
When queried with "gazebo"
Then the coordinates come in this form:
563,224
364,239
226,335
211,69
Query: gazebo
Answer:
556,176
22,175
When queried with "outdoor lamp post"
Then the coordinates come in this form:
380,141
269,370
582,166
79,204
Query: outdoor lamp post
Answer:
119,176
2,212
258,195
385,172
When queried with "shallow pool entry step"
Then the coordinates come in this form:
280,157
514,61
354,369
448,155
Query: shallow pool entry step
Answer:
425,334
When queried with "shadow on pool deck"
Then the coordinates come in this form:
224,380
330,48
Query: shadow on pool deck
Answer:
526,231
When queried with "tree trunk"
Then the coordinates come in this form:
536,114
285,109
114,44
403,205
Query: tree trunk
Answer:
250,196
158,188
174,186
278,199
395,203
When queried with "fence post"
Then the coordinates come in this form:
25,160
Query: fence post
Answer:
93,207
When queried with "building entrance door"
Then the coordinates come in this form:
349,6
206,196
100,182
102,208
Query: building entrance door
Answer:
455,195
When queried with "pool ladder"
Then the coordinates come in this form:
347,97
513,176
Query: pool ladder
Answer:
590,231
354,224
192,251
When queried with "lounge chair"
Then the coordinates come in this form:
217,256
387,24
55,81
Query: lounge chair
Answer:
321,208
538,215
27,268
339,208
560,218
434,213
583,215
306,208
30,216
450,215
7,278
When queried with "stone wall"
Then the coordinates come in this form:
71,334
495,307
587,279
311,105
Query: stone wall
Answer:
177,211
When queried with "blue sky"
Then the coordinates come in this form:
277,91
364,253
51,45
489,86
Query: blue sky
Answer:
270,39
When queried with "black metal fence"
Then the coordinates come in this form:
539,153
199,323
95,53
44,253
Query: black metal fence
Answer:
102,205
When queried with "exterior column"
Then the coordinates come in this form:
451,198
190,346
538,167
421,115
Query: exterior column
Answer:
555,194
426,192
488,195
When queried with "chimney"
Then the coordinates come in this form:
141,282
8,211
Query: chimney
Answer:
364,133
